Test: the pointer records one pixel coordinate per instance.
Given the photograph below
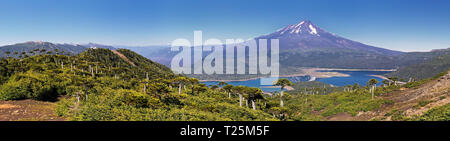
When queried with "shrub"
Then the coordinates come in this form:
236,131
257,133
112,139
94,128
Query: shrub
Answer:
423,103
29,85
398,115
13,90
388,102
63,107
45,93
441,113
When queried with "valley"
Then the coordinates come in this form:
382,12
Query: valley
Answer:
323,77
101,85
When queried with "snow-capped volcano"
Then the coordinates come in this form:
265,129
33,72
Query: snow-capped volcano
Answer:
303,27
305,36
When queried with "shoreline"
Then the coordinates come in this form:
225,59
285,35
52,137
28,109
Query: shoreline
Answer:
288,88
358,69
380,76
313,72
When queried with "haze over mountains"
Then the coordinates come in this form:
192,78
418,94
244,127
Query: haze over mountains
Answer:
306,45
38,47
303,44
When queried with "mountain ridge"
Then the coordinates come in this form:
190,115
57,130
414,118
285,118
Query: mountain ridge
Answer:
307,36
307,45
31,48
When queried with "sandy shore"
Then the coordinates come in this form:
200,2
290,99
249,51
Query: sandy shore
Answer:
315,72
379,76
333,69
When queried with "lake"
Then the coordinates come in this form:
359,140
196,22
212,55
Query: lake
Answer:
360,77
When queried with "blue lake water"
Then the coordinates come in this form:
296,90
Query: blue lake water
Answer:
360,77
262,83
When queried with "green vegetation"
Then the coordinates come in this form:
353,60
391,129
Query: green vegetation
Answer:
425,69
416,84
372,84
328,57
312,107
31,85
423,103
397,115
441,113
104,85
283,82
101,85
22,50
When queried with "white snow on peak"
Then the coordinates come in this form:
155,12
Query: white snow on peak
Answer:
292,31
313,30
299,24
286,29
297,31
297,28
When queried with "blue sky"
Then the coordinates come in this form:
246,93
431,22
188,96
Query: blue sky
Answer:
406,25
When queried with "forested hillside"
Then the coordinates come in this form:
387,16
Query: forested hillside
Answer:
423,70
31,48
100,84
26,49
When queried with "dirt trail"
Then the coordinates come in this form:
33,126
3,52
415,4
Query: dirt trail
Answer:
340,117
431,94
123,57
28,110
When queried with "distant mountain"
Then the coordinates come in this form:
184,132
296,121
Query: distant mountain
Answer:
307,45
301,45
94,45
36,48
412,58
305,36
428,68
160,54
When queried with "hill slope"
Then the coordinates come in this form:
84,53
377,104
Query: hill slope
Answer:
307,45
100,84
426,69
127,62
31,48
37,48
412,103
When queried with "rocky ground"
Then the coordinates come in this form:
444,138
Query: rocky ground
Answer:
28,110
412,101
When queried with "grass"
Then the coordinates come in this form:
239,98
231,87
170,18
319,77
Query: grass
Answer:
441,113
422,103
307,107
